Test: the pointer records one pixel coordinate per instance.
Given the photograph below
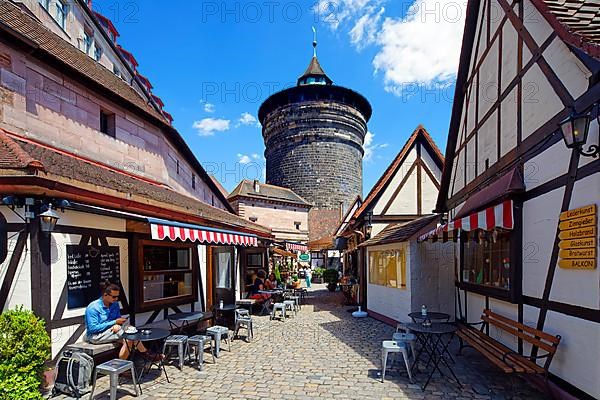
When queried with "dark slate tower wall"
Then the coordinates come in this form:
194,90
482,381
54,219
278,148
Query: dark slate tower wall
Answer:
314,137
315,149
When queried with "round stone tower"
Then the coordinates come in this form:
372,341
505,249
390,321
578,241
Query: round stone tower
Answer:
314,134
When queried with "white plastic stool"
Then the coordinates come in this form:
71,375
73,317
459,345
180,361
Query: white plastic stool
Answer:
409,338
392,346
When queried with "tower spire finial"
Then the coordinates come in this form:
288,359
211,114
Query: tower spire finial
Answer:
314,41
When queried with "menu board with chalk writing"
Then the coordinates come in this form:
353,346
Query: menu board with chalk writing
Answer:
87,268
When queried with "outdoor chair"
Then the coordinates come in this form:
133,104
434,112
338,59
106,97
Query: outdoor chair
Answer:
181,343
296,299
280,307
243,320
199,342
113,369
392,346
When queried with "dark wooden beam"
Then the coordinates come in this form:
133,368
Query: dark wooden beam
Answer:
41,272
11,270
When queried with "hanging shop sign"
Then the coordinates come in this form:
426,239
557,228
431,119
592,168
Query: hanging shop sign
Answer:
305,257
577,234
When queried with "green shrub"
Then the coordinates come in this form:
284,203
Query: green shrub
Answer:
318,272
24,347
330,275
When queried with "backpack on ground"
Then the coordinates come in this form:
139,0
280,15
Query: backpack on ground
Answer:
73,374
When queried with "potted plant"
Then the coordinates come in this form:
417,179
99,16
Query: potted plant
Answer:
317,276
331,277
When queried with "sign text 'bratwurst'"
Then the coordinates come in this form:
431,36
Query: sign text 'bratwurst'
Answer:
577,234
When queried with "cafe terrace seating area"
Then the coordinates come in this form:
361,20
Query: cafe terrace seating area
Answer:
320,352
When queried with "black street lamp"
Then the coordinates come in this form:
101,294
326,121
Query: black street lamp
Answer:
575,129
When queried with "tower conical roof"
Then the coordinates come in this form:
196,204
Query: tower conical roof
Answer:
314,74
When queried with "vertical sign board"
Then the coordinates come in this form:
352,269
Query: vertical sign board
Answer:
577,234
87,268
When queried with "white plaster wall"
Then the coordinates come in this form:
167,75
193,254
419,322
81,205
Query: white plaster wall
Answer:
535,23
487,142
393,303
569,69
508,122
509,55
428,160
429,193
540,102
458,178
539,228
546,166
488,81
408,201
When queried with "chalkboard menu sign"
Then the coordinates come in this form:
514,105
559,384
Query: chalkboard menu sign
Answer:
87,267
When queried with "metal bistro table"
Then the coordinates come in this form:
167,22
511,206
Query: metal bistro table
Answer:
431,316
182,320
430,338
154,335
220,318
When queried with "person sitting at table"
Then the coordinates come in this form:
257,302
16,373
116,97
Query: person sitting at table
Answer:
271,283
104,323
258,286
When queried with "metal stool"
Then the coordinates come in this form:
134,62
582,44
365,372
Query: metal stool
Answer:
200,341
113,369
219,333
181,341
392,346
297,300
280,307
290,305
409,338
243,320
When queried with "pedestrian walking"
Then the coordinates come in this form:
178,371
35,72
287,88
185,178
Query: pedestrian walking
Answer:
308,276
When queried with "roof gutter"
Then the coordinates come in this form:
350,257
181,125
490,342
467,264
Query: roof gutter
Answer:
34,185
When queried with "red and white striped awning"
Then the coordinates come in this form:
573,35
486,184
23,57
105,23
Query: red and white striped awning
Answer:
500,216
295,246
162,231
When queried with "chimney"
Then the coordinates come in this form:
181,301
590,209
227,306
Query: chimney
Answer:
256,186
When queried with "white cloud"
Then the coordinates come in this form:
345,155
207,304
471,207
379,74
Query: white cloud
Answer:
244,159
365,29
255,156
423,48
209,108
208,126
370,147
246,119
420,49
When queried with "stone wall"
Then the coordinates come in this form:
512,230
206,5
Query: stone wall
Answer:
315,149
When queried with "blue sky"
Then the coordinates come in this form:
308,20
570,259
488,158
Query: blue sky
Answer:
214,63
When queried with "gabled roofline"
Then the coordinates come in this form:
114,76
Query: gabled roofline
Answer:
385,179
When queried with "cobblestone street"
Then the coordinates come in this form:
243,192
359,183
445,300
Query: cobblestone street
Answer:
322,353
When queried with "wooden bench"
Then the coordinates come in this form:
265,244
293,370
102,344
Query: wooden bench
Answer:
509,361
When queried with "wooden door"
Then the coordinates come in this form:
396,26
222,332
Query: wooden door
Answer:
223,272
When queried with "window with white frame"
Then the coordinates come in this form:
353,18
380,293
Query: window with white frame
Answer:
98,53
60,13
88,39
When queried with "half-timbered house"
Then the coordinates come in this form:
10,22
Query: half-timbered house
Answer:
510,180
134,204
396,276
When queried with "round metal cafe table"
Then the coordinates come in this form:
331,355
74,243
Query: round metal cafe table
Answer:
155,334
431,340
431,316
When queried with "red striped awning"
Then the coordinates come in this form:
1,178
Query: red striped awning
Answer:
499,216
161,232
296,246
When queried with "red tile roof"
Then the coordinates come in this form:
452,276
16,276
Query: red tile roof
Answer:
12,156
577,22
80,172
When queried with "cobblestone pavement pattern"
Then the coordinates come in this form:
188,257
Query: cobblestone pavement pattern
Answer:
323,353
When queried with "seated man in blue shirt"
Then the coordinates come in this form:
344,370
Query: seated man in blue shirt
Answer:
104,322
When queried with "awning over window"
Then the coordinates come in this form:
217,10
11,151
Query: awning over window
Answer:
500,216
162,229
296,246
